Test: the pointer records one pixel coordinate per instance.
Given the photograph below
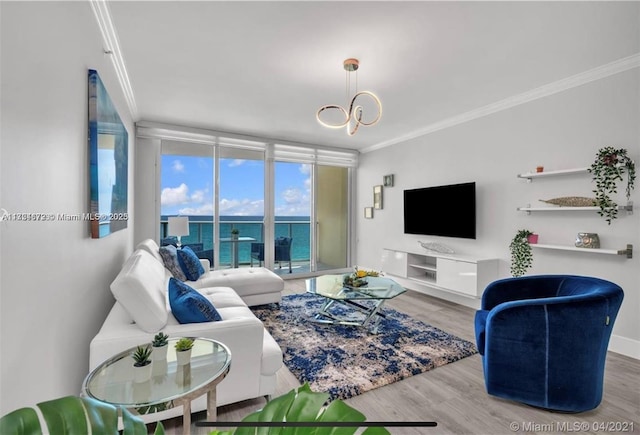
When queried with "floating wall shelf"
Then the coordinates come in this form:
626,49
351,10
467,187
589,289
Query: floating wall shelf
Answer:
628,251
531,175
628,207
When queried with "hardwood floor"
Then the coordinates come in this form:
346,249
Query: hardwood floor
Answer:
454,396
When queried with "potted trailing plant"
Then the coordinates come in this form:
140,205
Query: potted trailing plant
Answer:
183,350
159,346
521,255
142,364
234,233
608,168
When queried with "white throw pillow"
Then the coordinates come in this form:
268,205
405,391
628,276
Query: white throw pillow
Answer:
140,288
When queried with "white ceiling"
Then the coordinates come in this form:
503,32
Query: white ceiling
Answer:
264,68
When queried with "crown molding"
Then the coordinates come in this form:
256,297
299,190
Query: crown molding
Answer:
571,82
112,48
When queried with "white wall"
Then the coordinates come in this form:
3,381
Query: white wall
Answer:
561,131
54,284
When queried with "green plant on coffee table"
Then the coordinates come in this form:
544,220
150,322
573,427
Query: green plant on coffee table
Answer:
184,344
304,405
607,169
160,339
521,255
142,356
359,277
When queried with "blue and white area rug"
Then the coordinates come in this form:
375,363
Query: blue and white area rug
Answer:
345,361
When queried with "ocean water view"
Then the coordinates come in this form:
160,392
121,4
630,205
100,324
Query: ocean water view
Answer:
201,231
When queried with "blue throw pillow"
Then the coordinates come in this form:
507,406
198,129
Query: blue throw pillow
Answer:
189,306
169,256
190,263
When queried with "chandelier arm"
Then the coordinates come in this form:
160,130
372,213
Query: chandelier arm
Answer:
333,106
358,119
377,101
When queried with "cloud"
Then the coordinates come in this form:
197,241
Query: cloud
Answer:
177,166
236,162
292,195
203,210
175,195
199,196
305,168
241,207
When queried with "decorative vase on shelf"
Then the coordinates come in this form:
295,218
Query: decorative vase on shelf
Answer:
532,238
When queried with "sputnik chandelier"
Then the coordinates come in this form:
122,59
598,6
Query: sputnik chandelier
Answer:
353,118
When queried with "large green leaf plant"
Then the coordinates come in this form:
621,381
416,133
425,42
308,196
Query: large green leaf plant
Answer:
73,415
304,405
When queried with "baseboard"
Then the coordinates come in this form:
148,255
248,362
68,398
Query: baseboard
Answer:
625,346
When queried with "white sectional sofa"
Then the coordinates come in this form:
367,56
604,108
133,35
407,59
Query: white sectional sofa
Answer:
142,309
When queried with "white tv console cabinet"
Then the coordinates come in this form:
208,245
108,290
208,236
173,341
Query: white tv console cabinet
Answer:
453,273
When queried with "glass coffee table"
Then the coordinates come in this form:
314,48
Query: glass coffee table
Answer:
367,299
170,385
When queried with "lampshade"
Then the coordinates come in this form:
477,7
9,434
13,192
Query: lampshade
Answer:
178,226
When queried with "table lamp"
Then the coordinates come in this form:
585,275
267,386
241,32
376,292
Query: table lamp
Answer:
178,227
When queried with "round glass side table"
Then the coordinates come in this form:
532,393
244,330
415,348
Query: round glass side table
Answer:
170,385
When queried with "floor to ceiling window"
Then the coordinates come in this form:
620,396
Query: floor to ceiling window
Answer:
292,216
240,204
186,189
244,199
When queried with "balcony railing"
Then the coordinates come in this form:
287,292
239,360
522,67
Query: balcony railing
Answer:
201,232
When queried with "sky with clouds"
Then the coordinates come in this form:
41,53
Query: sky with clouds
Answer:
187,187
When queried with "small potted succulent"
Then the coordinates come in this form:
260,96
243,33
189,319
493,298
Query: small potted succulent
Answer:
521,254
142,364
183,350
234,233
159,346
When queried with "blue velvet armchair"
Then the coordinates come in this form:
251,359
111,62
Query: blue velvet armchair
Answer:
543,339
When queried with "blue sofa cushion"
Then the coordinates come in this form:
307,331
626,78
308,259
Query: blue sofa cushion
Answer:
169,255
189,306
190,263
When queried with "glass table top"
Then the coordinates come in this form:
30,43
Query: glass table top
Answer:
332,287
112,381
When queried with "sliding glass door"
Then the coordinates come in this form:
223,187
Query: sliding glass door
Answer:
292,217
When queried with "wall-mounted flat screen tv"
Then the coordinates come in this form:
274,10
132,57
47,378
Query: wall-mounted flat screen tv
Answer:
447,211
